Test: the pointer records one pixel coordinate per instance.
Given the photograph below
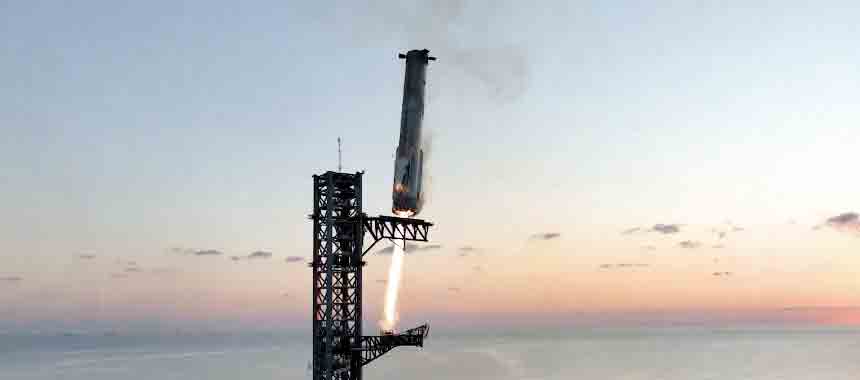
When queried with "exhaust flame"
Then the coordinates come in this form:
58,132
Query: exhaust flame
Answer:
392,289
395,272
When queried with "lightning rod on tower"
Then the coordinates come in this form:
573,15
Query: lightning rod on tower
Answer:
339,163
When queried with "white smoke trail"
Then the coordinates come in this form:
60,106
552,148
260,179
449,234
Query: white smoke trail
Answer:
394,274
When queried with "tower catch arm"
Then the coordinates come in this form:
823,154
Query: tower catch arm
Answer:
375,346
394,228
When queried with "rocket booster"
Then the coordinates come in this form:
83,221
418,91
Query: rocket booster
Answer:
409,157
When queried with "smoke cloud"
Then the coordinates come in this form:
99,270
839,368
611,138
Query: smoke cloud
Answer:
294,259
501,72
11,279
499,68
427,167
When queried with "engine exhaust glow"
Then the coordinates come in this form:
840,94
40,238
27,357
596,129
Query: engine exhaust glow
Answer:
395,272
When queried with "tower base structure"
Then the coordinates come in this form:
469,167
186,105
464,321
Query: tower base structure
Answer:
339,226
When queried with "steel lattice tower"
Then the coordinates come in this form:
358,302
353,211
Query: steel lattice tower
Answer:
339,349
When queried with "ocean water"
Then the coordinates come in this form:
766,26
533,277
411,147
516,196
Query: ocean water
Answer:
631,354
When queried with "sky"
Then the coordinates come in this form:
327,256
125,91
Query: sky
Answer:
146,145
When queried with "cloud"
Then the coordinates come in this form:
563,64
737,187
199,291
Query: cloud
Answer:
182,251
624,265
545,236
844,218
721,274
294,259
477,268
737,229
718,246
235,258
721,234
260,255
649,247
285,294
666,228
11,279
131,263
208,252
453,289
132,270
86,256
466,250
164,271
690,244
630,231
813,308
846,222
410,248
119,275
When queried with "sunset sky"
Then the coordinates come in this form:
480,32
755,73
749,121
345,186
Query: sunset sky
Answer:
589,162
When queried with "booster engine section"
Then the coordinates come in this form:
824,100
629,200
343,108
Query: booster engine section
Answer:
409,157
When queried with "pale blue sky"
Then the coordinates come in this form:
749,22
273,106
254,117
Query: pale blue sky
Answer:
132,128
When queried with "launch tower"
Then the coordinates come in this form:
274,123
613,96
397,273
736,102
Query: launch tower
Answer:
339,227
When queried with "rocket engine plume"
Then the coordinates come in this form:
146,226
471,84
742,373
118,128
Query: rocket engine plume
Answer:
395,272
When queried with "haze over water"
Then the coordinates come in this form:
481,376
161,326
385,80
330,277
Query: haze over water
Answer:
593,166
610,354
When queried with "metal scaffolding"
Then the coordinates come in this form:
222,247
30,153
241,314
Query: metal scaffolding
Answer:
339,349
